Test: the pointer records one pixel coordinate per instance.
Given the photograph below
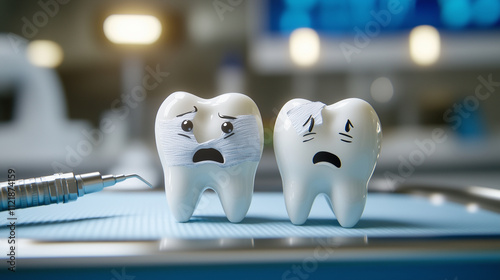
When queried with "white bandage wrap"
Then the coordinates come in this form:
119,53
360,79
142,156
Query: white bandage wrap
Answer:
243,145
300,115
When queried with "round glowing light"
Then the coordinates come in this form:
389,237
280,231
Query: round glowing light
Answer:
425,45
132,29
382,90
304,47
45,53
472,207
437,199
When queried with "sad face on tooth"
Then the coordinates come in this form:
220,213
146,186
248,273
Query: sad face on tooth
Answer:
209,143
207,154
330,150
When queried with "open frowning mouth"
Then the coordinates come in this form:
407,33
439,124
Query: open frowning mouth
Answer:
327,157
208,155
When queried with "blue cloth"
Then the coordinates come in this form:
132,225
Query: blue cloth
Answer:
145,216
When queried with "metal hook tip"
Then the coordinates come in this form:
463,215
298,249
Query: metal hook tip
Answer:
140,178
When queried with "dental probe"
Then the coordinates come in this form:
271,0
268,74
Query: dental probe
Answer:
57,188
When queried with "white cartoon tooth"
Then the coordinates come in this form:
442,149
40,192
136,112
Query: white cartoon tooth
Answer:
209,143
329,150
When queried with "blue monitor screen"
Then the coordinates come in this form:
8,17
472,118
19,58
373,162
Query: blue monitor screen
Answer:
342,17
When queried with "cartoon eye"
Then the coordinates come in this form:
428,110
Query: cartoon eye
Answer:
227,127
348,125
347,128
187,125
311,126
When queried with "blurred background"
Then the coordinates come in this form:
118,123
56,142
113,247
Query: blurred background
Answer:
81,81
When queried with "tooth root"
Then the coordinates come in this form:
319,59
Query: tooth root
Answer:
236,203
235,194
298,200
348,202
182,206
182,200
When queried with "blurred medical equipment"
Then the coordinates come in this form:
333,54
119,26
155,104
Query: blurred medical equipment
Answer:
39,131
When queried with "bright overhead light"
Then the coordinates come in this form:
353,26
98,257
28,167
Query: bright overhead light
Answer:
45,53
132,29
425,45
304,47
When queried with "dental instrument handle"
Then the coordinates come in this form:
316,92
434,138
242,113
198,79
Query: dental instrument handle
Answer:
57,188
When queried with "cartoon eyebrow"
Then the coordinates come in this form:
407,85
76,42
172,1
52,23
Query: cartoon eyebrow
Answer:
310,116
348,125
194,111
226,117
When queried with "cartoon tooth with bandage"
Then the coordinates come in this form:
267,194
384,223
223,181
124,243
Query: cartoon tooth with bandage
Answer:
330,150
209,143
